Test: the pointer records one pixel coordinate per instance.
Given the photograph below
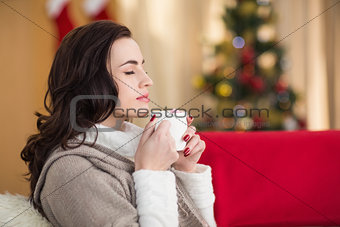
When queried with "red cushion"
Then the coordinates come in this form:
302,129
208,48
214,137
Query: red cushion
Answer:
275,178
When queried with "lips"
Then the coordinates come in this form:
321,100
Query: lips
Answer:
144,98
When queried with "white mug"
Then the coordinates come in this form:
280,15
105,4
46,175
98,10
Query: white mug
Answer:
178,127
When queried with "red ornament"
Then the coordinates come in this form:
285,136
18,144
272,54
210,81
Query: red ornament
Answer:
280,86
259,123
247,55
247,73
244,77
257,84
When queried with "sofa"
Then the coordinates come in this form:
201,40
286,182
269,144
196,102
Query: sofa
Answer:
275,178
264,178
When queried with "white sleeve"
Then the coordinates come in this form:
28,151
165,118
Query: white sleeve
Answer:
156,198
199,186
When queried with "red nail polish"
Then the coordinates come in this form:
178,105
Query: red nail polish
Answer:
191,117
186,138
153,117
186,151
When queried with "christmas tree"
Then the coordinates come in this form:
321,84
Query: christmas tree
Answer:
245,75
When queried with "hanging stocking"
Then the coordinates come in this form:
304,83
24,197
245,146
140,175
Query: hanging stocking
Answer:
57,10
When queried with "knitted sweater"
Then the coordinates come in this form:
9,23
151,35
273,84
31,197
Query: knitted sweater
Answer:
97,186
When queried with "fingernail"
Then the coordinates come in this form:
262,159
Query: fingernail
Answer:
186,138
186,151
190,117
152,118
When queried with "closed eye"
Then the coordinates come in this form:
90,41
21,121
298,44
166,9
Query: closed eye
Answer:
129,73
132,72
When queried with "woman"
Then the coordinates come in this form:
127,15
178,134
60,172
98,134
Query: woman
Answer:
126,175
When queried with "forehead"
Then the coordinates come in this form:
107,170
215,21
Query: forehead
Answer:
125,49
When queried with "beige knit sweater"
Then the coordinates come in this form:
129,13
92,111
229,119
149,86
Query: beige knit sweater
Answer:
93,186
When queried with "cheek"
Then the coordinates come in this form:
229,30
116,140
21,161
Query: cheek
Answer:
127,95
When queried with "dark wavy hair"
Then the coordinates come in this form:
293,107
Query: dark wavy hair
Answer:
79,68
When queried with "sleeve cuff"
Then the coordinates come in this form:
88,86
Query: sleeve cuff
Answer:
198,185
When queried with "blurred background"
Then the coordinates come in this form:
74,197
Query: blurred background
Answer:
275,56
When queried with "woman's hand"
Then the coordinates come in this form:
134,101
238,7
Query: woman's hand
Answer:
192,152
156,149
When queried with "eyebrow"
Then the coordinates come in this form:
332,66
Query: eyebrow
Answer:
131,62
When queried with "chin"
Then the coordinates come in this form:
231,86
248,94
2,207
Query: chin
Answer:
145,110
142,105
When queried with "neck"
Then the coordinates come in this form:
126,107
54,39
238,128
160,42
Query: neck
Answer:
113,122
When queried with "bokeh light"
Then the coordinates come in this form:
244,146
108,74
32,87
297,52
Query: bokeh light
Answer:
238,42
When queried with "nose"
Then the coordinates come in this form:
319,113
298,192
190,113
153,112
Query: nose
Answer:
146,81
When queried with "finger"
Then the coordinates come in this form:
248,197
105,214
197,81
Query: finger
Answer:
172,143
190,119
164,127
189,133
193,128
149,129
191,144
168,134
198,148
